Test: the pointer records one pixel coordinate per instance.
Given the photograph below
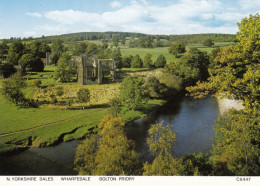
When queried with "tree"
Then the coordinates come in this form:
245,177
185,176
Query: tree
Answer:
7,69
31,62
57,49
160,61
236,74
64,72
148,63
115,39
115,108
12,88
83,95
57,46
3,49
38,49
15,52
160,141
107,153
123,41
136,62
237,144
80,48
236,71
177,48
208,42
131,92
154,88
117,56
127,61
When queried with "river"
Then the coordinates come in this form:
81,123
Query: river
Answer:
193,120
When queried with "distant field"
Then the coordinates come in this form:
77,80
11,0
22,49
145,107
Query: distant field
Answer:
155,52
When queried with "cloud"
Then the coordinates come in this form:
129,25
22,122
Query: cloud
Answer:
181,17
115,4
34,14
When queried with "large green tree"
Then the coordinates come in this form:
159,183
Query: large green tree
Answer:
136,62
12,88
7,69
64,71
3,49
177,48
148,63
160,61
30,62
161,140
132,92
15,52
107,153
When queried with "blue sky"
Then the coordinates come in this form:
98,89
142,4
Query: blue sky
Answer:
24,18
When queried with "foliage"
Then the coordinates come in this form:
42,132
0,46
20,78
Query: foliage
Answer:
64,71
57,47
236,74
197,164
7,69
136,62
132,91
115,106
177,48
83,95
154,88
191,67
148,63
107,153
30,62
161,140
160,61
236,70
15,52
59,91
237,144
117,56
127,61
3,49
208,42
12,88
38,49
37,83
80,48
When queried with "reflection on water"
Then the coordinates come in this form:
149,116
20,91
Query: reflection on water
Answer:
192,119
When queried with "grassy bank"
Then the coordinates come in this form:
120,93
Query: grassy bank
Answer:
45,127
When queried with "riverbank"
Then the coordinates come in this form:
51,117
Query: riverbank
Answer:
68,126
224,104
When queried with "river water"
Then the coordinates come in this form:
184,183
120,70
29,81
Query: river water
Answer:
193,120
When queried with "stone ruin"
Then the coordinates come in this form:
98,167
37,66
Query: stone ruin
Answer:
92,70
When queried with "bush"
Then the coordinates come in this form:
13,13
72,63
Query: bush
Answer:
37,83
59,91
160,61
208,42
7,69
136,62
83,95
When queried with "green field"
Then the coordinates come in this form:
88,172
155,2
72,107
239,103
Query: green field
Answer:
155,52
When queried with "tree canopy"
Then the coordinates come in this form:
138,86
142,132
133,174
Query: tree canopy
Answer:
236,75
132,91
107,153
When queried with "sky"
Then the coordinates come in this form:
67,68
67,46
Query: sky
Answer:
25,18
